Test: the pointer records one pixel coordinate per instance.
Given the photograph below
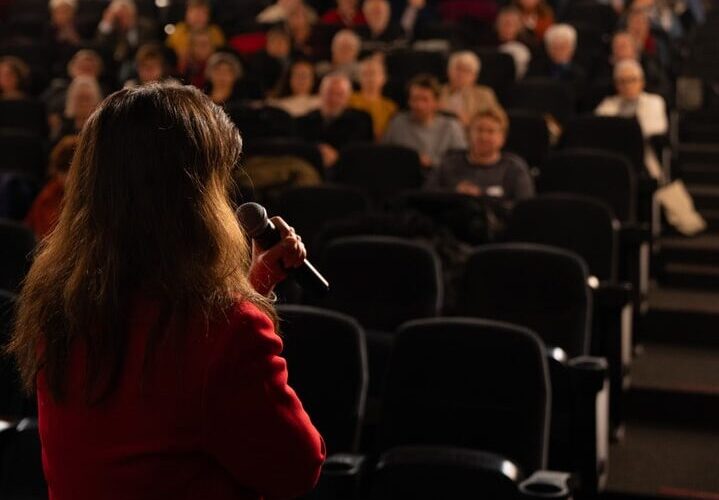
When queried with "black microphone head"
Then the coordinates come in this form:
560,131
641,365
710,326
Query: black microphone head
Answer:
253,218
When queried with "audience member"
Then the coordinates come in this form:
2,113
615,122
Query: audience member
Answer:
639,26
85,62
301,25
537,16
197,18
45,210
345,55
372,77
83,96
296,94
200,50
279,11
121,32
632,101
347,14
509,27
334,124
560,43
62,22
661,15
380,34
150,65
485,170
14,78
423,128
462,96
268,65
224,73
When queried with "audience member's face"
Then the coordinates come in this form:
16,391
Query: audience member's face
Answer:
623,47
344,51
84,65
461,75
298,22
9,81
560,51
638,25
302,79
126,17
377,14
222,75
62,15
150,70
201,47
372,76
629,83
334,96
347,6
278,45
85,103
423,103
197,17
509,25
486,137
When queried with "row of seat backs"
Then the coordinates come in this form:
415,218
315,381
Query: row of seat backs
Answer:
452,381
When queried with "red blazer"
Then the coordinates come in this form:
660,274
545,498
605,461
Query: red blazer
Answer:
214,419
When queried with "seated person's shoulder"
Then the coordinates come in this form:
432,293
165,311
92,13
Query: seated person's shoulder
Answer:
248,326
514,161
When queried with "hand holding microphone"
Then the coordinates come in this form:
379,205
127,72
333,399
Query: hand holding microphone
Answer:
277,252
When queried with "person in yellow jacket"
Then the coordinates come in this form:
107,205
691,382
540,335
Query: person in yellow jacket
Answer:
197,18
369,98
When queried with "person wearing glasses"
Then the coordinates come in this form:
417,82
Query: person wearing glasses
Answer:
632,101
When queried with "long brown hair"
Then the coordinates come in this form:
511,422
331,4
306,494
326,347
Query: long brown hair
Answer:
146,209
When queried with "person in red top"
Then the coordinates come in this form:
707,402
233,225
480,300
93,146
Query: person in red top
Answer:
347,15
144,322
45,210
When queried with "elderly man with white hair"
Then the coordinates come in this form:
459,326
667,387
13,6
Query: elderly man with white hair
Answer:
560,44
380,33
632,101
462,96
335,125
346,45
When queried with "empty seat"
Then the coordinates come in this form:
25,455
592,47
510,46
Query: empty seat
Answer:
542,288
309,209
261,122
21,474
402,65
608,133
326,356
582,225
469,383
432,472
23,153
528,137
285,146
382,281
25,114
498,70
18,244
13,403
380,170
544,96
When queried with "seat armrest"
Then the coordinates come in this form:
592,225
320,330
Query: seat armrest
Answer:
548,484
612,295
588,373
636,234
341,477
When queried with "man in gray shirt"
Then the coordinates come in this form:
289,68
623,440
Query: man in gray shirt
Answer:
485,170
422,128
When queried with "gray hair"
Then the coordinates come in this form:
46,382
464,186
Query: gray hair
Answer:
224,58
335,75
628,64
79,83
348,35
560,32
467,58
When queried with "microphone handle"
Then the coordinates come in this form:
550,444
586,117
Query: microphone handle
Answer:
308,277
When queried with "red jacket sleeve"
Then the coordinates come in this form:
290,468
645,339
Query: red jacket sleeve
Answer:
255,425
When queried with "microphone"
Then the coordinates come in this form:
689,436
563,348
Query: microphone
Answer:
253,219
